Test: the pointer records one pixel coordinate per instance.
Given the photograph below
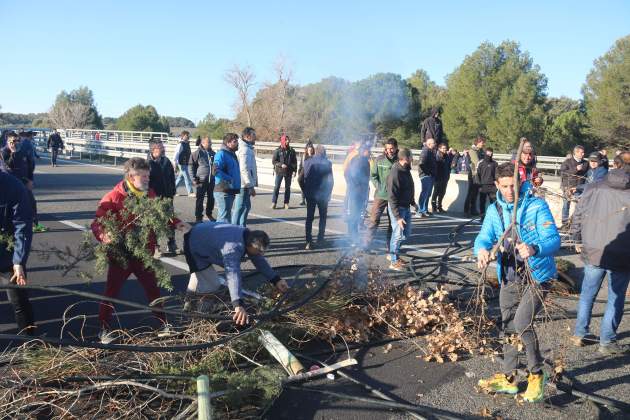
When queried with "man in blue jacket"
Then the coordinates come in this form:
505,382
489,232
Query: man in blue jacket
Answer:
16,224
225,245
524,265
318,186
227,177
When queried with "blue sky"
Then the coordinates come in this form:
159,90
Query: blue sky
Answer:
173,54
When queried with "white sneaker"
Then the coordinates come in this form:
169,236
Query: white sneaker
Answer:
166,331
192,194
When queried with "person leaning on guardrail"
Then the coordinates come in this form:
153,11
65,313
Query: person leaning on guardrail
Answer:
227,177
181,158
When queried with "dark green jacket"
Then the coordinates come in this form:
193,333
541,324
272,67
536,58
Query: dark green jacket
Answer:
379,171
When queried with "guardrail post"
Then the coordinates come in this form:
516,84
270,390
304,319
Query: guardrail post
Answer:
204,409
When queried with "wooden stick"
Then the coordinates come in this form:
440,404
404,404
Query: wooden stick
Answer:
321,371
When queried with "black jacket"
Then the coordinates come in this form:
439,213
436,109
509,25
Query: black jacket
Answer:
431,128
400,188
571,177
162,177
287,157
442,167
427,163
485,173
602,222
55,141
20,164
200,166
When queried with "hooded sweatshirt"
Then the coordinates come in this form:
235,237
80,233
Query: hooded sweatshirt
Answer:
602,222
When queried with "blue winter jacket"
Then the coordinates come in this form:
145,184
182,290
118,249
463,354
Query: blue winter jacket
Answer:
223,244
536,227
16,221
227,173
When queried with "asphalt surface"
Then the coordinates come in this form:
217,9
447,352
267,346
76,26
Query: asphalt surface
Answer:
67,198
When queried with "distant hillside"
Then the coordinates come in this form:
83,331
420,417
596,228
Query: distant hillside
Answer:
9,119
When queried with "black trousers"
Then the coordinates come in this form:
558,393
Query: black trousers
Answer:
322,206
18,298
204,190
287,188
54,152
439,191
483,196
470,205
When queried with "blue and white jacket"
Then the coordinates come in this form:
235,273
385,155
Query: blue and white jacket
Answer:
536,227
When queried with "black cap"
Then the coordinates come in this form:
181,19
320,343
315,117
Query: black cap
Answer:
594,157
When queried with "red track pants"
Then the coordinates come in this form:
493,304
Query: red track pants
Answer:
116,277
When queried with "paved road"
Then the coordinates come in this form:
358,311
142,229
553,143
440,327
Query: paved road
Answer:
67,198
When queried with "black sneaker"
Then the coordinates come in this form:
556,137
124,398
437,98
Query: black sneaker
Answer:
309,245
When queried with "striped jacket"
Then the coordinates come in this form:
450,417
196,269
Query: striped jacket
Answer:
536,227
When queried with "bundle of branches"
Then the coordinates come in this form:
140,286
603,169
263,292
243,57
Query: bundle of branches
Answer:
141,221
360,304
39,380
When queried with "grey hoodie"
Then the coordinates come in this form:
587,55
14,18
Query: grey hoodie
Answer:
602,222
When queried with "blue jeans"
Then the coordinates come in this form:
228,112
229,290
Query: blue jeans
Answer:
224,203
425,194
183,173
398,234
617,286
242,206
287,188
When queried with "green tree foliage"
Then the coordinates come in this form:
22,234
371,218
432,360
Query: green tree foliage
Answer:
497,92
565,126
607,95
142,118
75,109
180,122
109,123
214,127
8,119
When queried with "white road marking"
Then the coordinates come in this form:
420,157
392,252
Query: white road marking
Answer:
73,225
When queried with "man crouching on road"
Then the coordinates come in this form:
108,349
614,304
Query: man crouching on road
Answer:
225,245
135,183
521,295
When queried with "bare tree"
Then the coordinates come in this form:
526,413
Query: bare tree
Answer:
242,79
284,75
68,114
